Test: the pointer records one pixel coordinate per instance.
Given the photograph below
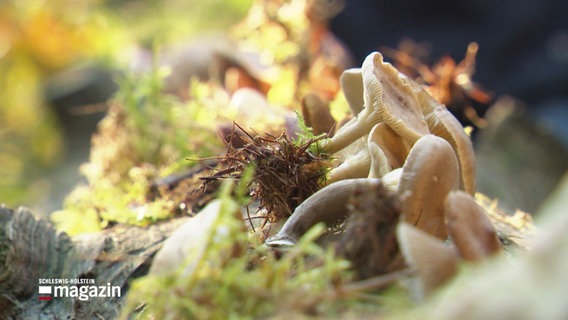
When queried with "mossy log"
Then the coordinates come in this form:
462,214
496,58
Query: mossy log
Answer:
31,249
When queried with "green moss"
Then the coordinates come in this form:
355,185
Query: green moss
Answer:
247,283
146,135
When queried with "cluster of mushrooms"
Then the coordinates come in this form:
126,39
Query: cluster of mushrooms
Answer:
406,141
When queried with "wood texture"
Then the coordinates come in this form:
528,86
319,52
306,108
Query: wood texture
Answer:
31,249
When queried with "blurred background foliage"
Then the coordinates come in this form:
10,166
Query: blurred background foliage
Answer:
39,39
42,40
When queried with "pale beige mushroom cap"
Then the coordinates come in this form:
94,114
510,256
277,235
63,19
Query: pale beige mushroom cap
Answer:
391,93
469,227
387,97
428,175
443,124
351,81
434,261
317,115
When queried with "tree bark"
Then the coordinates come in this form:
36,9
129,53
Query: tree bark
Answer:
31,249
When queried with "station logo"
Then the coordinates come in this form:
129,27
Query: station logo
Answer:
81,289
44,293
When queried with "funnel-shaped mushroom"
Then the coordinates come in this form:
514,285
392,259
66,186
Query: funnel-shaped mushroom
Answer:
387,97
428,175
399,107
434,261
470,228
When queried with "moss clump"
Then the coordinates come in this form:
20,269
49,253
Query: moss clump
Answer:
285,172
146,136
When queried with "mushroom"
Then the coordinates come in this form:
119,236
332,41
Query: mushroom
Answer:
393,146
317,115
328,205
356,166
473,235
391,180
469,227
400,108
352,84
428,175
434,261
387,97
443,124
380,165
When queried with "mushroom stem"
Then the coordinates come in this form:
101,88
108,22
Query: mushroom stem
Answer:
393,146
379,162
355,167
351,131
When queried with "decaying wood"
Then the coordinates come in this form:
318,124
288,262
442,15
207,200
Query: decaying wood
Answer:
31,249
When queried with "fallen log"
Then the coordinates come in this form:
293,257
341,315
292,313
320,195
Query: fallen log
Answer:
33,254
